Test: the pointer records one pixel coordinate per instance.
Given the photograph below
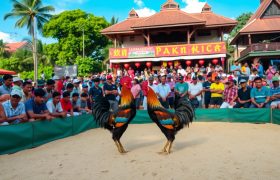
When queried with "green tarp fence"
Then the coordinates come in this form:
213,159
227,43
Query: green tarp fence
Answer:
15,138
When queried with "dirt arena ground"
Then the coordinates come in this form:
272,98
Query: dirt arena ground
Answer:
204,151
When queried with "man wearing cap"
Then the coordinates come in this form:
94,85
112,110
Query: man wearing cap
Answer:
230,95
217,89
163,92
40,84
206,89
84,88
111,92
95,91
260,95
195,91
14,109
275,93
17,83
76,88
244,97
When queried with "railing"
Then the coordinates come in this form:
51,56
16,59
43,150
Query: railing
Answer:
274,46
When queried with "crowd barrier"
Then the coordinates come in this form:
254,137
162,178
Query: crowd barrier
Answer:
15,138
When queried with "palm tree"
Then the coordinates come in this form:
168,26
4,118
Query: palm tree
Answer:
2,47
114,20
32,14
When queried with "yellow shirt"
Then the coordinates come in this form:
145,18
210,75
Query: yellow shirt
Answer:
215,86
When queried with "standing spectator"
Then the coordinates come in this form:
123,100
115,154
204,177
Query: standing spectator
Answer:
244,95
275,94
230,95
269,74
17,83
235,68
26,91
76,88
6,88
260,95
207,91
14,109
163,92
135,90
171,96
260,69
217,89
111,92
85,88
36,108
181,88
95,91
245,71
181,71
195,91
131,73
49,89
69,88
54,106
66,104
58,84
40,84
102,82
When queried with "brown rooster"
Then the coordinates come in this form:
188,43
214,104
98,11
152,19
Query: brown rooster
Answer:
169,123
116,122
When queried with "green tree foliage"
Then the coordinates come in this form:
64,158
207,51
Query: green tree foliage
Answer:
2,48
68,28
242,20
87,66
114,20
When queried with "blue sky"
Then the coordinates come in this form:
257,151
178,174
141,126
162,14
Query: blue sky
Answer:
120,9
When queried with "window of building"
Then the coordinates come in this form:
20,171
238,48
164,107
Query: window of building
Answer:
204,33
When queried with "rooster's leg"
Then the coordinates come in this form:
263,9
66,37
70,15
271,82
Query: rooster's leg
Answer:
121,146
169,146
164,148
118,146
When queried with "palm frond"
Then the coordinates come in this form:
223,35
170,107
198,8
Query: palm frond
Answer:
44,9
22,22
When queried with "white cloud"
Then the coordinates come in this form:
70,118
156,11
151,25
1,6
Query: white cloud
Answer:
193,6
7,38
139,3
145,12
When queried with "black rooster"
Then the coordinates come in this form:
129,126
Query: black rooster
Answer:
116,122
169,123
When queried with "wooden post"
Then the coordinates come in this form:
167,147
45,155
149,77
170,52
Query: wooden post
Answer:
250,39
222,35
189,38
115,42
148,41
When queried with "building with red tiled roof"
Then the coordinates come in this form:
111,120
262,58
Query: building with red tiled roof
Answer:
12,47
170,36
259,39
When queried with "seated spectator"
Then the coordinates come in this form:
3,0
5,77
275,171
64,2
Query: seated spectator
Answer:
36,107
260,95
54,106
195,92
69,88
75,103
85,106
253,76
244,97
217,89
49,89
26,91
76,88
230,95
85,88
3,118
66,104
275,94
6,88
14,109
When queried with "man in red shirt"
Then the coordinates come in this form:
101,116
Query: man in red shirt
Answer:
58,84
66,104
230,95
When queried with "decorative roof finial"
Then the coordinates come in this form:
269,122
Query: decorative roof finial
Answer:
170,4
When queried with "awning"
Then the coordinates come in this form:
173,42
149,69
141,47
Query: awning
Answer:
3,72
212,56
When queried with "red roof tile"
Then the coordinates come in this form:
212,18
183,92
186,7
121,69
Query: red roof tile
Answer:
168,18
12,47
214,19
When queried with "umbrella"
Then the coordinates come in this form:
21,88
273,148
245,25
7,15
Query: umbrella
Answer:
3,72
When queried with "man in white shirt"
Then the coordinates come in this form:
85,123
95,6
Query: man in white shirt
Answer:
163,92
195,91
181,71
54,106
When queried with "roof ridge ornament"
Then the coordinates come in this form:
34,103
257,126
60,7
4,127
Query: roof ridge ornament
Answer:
170,4
133,14
207,8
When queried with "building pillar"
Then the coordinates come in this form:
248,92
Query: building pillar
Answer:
250,39
188,36
115,42
222,35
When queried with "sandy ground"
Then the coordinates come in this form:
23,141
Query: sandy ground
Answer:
204,151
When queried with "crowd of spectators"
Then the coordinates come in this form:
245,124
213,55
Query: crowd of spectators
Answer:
206,87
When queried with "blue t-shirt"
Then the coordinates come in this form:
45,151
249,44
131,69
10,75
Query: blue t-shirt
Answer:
260,70
234,67
111,87
275,91
207,85
36,108
260,95
182,87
